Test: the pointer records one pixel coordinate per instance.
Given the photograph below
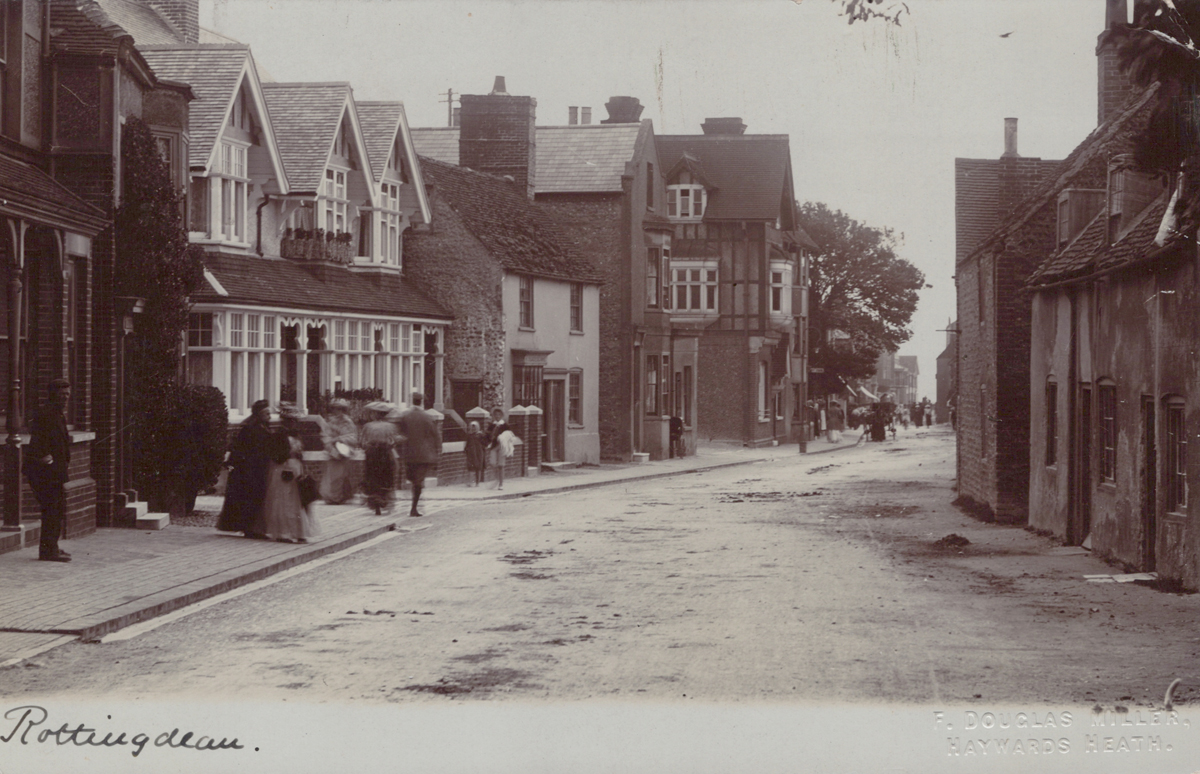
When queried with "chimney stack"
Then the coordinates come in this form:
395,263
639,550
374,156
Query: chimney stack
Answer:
1010,139
623,110
1112,85
585,115
731,125
183,14
572,115
497,135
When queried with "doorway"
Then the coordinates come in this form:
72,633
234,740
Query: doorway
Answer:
1082,526
1149,485
554,417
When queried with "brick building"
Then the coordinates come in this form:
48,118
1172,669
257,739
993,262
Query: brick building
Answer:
947,374
526,327
1000,240
604,183
737,275
71,74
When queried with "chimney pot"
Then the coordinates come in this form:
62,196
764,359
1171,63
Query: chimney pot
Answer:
1010,138
729,125
572,115
585,115
498,87
623,110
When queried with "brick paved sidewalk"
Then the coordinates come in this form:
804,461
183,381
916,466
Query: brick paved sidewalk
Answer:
119,577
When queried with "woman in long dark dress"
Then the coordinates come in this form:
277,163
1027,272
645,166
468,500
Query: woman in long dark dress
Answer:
247,484
378,440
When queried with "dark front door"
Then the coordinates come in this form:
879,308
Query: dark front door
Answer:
555,420
1149,484
1083,482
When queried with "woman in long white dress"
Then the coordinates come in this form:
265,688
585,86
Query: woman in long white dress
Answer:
284,516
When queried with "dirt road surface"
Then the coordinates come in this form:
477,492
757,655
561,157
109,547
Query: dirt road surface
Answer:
808,578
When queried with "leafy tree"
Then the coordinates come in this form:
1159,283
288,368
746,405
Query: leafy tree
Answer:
863,10
862,295
155,263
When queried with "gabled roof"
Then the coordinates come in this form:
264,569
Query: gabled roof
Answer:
29,192
146,26
581,158
287,284
215,73
522,236
693,167
307,117
752,173
1090,250
382,123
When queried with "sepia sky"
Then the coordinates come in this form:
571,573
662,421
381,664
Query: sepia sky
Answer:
876,114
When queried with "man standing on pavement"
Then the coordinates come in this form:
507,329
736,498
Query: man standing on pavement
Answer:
421,449
46,466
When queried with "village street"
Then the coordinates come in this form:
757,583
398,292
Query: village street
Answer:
811,577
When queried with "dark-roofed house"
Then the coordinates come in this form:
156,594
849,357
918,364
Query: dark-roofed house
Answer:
301,221
604,183
1113,381
737,273
526,332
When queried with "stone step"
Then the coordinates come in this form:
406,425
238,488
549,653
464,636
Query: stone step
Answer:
556,466
136,510
153,521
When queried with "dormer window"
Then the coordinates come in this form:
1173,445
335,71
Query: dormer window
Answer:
686,201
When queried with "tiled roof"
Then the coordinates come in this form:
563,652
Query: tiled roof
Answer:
142,22
288,284
96,26
24,186
437,142
749,171
1106,140
976,202
306,117
380,122
214,73
521,235
1090,250
583,158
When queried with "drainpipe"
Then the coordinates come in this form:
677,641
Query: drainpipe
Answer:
258,215
1073,420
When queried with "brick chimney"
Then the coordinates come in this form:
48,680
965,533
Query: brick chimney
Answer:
497,135
623,110
731,125
1113,86
184,14
1010,139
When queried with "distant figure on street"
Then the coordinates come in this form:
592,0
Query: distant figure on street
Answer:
476,451
341,438
676,436
499,451
837,421
286,517
247,484
47,461
421,448
378,440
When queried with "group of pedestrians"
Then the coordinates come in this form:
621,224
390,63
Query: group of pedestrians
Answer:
269,495
489,446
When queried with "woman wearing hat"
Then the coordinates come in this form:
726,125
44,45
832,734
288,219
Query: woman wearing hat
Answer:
341,437
285,516
247,485
378,439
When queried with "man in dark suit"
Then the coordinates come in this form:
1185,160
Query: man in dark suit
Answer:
421,449
47,460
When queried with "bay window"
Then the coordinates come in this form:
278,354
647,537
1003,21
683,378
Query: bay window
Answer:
334,203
